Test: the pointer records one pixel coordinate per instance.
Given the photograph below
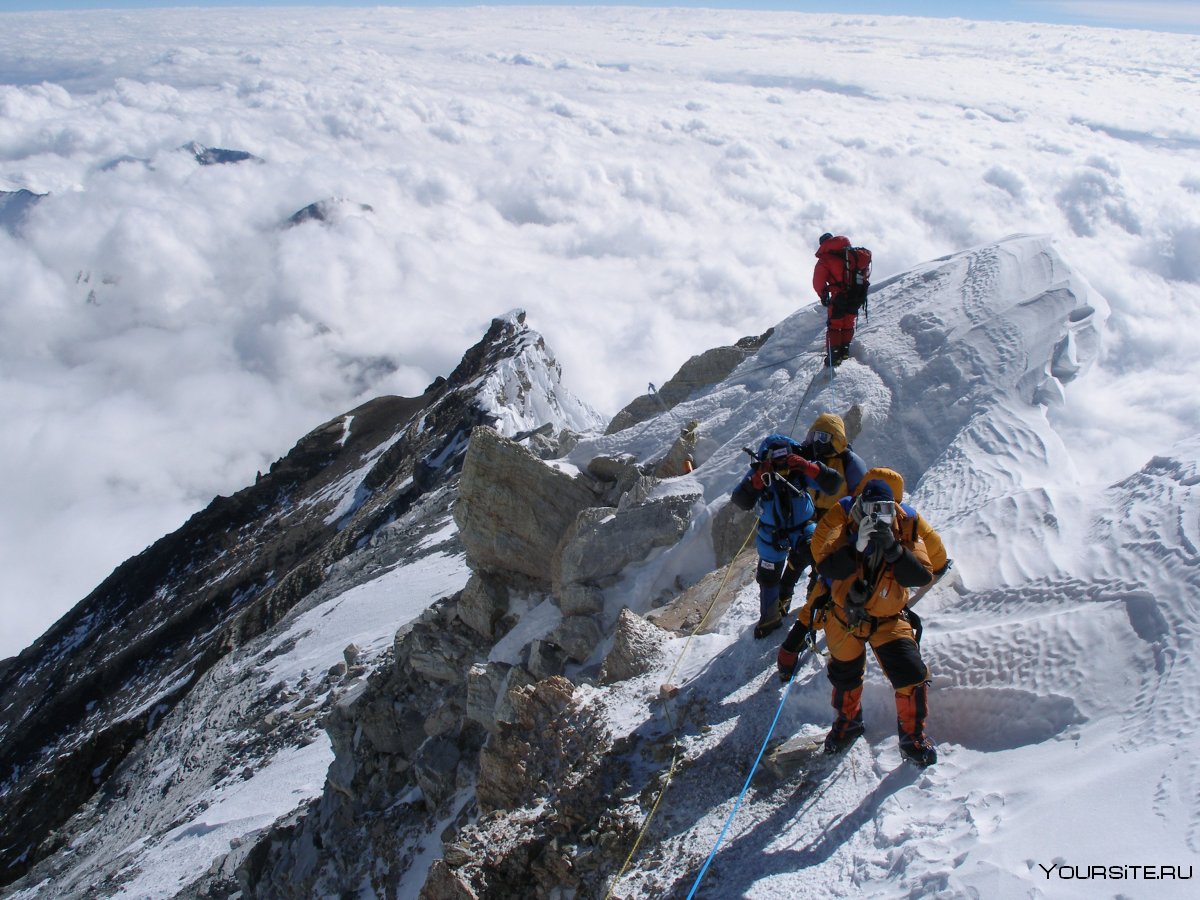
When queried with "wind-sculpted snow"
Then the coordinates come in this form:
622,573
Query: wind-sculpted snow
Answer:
1062,645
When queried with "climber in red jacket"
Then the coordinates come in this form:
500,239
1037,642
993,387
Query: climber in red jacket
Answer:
831,282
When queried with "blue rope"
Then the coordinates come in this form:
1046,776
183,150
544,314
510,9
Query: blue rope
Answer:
737,804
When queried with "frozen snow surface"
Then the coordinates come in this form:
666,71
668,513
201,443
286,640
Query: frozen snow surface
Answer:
1064,695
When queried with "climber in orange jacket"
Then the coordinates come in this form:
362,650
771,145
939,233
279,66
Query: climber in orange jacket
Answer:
873,548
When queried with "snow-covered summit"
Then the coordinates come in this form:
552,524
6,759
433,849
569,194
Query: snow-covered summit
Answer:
490,750
182,625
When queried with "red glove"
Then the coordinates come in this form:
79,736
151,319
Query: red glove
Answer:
796,462
757,480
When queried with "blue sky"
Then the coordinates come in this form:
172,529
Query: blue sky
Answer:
1158,15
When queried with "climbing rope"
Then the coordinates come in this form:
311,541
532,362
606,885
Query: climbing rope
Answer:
745,787
674,727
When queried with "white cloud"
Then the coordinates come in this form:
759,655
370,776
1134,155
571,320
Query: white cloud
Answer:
646,183
1184,14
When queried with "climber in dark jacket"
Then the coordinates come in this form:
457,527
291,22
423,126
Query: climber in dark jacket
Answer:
779,484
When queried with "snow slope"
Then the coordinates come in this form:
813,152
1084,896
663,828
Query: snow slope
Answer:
1064,697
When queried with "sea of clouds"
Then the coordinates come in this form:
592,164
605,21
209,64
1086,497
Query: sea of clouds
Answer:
645,183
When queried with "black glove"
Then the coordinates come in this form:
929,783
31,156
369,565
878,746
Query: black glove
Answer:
885,539
856,602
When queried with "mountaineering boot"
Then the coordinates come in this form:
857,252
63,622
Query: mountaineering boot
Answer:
785,605
910,725
848,725
766,626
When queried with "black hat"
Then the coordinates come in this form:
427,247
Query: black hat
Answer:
875,490
826,236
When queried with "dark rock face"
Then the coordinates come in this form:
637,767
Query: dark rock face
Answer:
324,211
14,207
216,156
74,704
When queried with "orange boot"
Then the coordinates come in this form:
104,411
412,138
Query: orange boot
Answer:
911,710
848,725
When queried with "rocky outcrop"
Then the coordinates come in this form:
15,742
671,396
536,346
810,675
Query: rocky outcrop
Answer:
513,509
699,372
81,699
15,207
636,648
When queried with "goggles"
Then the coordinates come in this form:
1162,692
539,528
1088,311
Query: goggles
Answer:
822,442
878,510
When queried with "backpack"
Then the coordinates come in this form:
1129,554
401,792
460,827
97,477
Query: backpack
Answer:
858,279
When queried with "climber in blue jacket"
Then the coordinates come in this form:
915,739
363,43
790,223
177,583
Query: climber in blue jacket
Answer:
779,483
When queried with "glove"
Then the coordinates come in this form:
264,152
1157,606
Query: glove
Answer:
825,298
855,605
864,536
787,664
798,463
885,539
761,477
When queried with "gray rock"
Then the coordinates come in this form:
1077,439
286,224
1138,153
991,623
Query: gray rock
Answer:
435,767
681,458
513,508
578,636
579,599
698,372
603,541
485,681
546,658
482,605
637,646
515,680
731,530
443,883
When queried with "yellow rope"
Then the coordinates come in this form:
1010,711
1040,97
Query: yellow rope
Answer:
670,719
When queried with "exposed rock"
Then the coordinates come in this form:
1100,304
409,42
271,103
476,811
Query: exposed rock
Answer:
216,156
681,458
578,636
435,768
705,603
326,211
15,207
617,474
732,529
637,646
579,599
698,372
443,883
514,761
485,681
351,654
603,542
516,678
513,508
482,605
546,659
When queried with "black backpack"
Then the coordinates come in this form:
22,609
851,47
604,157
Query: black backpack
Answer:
858,279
